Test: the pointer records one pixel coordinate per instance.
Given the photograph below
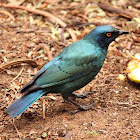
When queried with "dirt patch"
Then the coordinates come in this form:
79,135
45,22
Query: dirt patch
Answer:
116,111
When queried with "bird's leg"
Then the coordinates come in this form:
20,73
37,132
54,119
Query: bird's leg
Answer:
81,107
81,95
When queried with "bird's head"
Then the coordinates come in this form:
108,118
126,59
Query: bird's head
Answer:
105,34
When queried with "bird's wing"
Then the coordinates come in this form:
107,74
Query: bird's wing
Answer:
39,73
66,69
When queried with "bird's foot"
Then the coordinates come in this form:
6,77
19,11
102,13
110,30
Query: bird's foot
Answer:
74,111
82,95
80,107
84,108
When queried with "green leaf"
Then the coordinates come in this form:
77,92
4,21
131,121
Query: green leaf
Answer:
44,135
93,133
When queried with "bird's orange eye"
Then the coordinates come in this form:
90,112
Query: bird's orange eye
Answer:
108,34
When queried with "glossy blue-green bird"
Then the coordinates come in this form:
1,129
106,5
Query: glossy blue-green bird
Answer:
72,69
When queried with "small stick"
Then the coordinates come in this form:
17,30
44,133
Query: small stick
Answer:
16,129
43,13
16,62
118,11
49,53
74,25
8,14
44,108
36,11
18,75
43,99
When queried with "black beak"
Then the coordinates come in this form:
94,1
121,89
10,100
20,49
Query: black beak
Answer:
121,32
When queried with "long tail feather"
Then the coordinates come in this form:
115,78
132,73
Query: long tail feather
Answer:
23,103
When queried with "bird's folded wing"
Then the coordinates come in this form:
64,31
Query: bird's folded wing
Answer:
60,70
64,70
39,73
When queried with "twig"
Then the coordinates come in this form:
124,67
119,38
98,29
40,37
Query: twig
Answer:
36,11
118,103
74,38
43,99
27,31
74,25
121,53
43,103
31,31
8,14
43,13
128,137
13,96
18,75
52,1
129,54
16,62
49,53
16,129
118,11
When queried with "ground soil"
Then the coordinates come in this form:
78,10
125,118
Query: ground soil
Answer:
116,112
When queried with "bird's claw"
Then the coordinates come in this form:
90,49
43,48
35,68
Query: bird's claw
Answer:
84,108
82,96
74,111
